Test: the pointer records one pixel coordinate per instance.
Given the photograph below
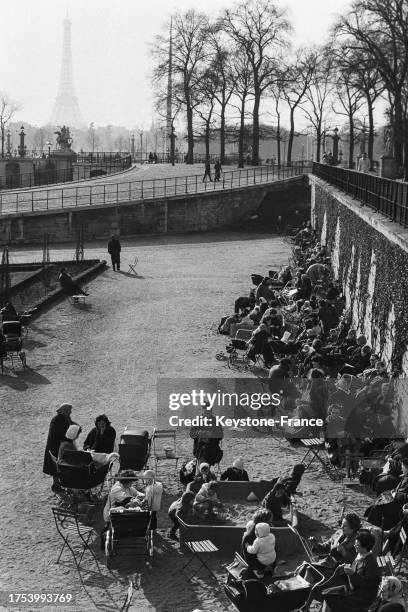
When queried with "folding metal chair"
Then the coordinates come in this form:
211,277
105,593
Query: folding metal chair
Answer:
160,454
133,265
314,446
198,548
73,534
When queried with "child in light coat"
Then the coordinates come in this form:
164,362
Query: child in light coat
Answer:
264,548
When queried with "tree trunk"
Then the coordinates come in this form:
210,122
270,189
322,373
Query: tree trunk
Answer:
241,135
291,135
207,140
398,129
255,127
351,143
222,135
2,141
318,142
370,130
278,141
190,133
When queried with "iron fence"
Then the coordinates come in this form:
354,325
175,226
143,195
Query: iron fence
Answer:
84,168
388,197
118,192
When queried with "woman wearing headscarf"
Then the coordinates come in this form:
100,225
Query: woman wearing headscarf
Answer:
101,438
56,434
70,441
236,472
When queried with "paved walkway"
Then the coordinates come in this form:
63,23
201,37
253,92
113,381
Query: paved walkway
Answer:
139,183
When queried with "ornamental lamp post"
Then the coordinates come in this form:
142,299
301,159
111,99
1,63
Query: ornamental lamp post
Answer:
22,148
336,139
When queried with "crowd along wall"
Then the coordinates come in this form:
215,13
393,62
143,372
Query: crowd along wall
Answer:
226,209
370,258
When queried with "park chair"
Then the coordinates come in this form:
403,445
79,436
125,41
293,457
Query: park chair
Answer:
167,453
76,537
132,266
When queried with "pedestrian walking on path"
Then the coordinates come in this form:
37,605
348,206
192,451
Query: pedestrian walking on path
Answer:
217,170
114,249
207,171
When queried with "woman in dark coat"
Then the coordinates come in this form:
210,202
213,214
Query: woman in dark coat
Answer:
56,434
363,576
101,438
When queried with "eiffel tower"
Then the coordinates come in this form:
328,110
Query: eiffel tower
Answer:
66,109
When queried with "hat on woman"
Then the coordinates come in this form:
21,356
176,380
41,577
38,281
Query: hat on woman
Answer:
65,409
204,466
238,463
149,474
73,432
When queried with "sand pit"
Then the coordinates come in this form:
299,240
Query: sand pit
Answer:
106,359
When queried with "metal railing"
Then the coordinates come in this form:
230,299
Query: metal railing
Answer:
116,193
388,197
82,169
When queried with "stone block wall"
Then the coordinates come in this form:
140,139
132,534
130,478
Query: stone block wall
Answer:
370,257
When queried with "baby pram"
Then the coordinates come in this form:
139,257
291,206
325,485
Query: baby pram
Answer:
12,345
134,448
129,528
281,593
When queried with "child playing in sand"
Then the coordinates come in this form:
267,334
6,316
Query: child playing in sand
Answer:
264,549
206,500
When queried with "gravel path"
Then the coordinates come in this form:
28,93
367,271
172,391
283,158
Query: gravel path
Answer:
106,358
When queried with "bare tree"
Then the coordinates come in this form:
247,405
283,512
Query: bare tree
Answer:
205,109
349,100
260,29
277,94
296,80
242,77
316,103
380,30
7,109
190,54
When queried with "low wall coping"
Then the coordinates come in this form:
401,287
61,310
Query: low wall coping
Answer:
394,232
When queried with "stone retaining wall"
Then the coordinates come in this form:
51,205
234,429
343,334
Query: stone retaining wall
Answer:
209,211
370,257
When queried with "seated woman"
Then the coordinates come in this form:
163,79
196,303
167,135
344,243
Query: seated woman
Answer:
340,548
101,438
262,550
67,284
391,595
70,443
9,313
386,512
206,500
183,507
236,472
260,516
361,579
123,493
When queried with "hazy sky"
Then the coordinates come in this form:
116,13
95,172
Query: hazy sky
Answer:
111,60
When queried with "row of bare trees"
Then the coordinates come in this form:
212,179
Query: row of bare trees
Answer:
225,70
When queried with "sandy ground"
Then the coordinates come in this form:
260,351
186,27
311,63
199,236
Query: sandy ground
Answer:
106,358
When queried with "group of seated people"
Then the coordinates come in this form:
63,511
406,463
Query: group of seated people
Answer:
308,336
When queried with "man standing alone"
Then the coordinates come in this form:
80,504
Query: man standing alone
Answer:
114,249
